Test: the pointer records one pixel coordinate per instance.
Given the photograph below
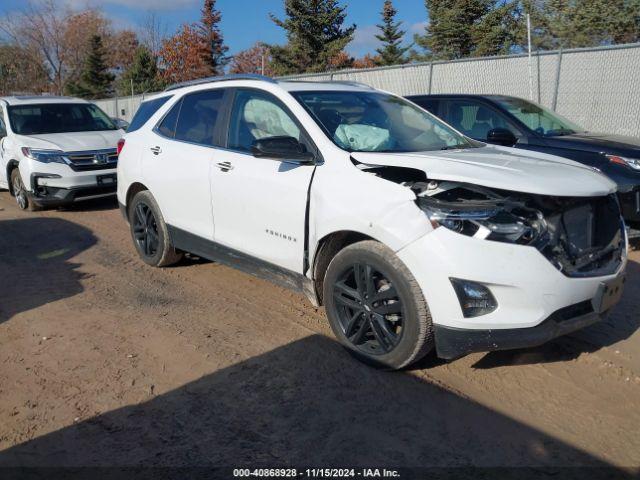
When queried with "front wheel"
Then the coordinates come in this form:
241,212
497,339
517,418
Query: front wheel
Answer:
149,232
375,306
20,192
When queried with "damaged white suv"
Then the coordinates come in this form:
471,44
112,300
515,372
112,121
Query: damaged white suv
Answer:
411,235
56,150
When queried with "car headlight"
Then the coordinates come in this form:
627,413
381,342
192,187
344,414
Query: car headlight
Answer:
44,156
625,161
501,221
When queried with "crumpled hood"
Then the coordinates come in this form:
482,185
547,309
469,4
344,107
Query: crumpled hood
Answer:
72,142
501,167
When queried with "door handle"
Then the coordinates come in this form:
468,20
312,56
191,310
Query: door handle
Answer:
156,150
224,166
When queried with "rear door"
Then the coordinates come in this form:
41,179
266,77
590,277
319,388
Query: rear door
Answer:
177,162
259,205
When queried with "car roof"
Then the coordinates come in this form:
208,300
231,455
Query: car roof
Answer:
289,85
39,99
491,96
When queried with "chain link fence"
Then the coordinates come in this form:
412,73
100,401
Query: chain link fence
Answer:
597,88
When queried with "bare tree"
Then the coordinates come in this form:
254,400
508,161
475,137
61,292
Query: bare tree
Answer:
40,28
153,32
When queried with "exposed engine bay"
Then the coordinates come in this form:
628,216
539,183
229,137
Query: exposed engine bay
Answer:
580,236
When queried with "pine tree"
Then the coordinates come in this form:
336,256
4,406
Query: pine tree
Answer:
463,28
391,52
95,80
214,50
143,73
315,35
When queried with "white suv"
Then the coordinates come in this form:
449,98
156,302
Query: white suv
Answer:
56,150
411,235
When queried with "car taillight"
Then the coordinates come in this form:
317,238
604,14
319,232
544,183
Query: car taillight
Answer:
120,145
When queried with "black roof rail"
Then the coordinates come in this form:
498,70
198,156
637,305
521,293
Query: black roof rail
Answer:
221,78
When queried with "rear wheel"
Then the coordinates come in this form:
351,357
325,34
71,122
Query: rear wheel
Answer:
149,232
375,306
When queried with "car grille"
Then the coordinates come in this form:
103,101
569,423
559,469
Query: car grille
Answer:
587,236
92,160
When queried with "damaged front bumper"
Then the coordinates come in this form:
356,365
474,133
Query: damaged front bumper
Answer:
535,300
453,342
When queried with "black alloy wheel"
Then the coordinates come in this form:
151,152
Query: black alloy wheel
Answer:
369,308
145,229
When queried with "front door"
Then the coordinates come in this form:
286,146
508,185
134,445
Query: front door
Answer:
4,181
259,205
178,160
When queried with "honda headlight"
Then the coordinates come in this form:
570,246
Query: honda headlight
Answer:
501,221
44,156
625,161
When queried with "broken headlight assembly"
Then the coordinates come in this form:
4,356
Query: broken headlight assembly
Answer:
499,220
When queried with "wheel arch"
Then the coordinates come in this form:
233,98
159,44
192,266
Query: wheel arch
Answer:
327,248
133,190
11,164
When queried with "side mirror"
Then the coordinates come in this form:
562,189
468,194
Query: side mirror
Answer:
501,136
281,148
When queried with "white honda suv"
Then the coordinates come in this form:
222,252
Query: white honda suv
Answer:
413,236
56,150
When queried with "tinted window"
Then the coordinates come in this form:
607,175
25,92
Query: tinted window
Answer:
426,103
258,115
168,125
198,116
145,112
3,127
369,121
474,119
45,118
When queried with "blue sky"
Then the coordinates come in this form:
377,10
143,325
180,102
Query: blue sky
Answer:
245,22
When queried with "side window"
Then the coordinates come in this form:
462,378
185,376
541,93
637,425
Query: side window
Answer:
429,104
198,116
258,115
474,119
167,126
146,111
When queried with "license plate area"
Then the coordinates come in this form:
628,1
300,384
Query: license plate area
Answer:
609,294
109,179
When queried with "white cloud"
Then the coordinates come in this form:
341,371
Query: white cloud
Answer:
417,28
365,41
137,4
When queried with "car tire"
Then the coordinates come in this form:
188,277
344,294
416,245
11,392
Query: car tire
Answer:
149,232
382,319
19,191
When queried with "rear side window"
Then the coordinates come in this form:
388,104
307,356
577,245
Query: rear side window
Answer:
198,117
167,126
474,119
427,103
146,111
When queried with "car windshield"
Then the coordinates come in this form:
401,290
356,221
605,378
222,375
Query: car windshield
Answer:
378,122
45,118
538,118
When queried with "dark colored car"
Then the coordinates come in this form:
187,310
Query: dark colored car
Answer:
519,123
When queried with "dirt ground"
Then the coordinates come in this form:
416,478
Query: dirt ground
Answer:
106,361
